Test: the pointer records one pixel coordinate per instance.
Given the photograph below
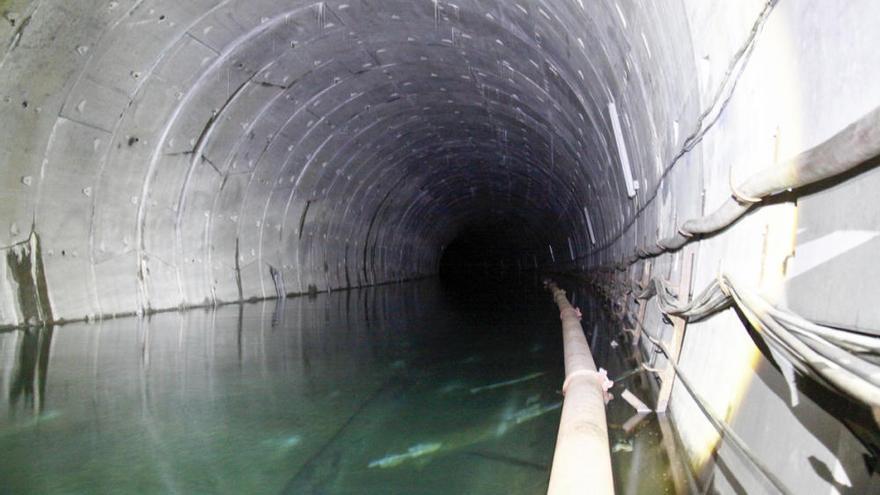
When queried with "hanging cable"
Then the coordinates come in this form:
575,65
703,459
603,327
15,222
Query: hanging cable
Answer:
831,357
851,147
707,118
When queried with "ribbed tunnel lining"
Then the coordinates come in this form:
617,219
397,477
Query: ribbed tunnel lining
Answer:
213,152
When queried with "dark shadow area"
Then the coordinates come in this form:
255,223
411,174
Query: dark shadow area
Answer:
493,256
28,384
825,473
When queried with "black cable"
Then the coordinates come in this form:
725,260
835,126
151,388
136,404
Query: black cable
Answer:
726,432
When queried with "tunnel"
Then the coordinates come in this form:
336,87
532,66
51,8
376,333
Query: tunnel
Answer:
185,165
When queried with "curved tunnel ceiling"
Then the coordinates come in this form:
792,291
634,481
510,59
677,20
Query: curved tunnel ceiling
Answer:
194,152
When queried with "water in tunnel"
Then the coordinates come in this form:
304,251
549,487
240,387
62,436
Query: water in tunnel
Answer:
181,183
405,388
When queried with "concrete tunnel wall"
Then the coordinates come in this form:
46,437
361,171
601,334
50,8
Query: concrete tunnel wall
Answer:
157,155
171,154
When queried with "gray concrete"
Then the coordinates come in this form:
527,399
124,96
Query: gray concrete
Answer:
173,154
157,155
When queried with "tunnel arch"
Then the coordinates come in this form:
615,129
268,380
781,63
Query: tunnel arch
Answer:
222,147
157,155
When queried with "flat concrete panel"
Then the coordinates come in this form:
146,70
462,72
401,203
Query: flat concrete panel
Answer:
834,277
118,286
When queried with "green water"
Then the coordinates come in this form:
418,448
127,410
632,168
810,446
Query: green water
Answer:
395,389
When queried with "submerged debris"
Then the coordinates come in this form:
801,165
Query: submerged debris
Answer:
451,387
521,379
283,443
532,412
622,446
413,452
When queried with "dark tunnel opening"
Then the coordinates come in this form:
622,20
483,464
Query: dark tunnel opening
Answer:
490,255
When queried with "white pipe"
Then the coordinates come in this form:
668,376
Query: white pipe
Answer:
635,402
582,460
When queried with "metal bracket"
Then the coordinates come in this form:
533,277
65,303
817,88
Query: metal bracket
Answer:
667,375
643,304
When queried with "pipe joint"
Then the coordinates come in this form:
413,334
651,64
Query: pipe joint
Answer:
600,377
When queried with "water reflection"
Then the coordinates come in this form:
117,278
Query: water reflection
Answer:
385,390
27,386
396,389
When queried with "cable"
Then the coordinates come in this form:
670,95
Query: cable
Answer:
850,147
726,432
831,357
704,123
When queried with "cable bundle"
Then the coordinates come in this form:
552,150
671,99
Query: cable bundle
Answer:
835,358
